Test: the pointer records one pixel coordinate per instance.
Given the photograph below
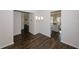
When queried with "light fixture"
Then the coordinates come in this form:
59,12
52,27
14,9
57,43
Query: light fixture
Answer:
36,17
42,17
39,18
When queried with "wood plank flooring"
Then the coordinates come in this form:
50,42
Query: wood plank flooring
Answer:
39,41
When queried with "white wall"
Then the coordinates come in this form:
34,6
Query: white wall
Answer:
26,16
17,23
22,21
6,28
70,27
44,25
31,23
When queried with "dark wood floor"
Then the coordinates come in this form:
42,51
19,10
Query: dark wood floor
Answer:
55,35
28,41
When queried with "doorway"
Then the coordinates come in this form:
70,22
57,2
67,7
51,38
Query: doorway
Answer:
56,24
23,22
27,22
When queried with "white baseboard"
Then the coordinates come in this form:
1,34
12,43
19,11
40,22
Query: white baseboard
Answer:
46,34
70,44
7,45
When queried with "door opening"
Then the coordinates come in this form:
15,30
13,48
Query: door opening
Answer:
27,22
23,24
56,24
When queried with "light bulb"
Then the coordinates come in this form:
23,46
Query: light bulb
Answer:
42,17
36,17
